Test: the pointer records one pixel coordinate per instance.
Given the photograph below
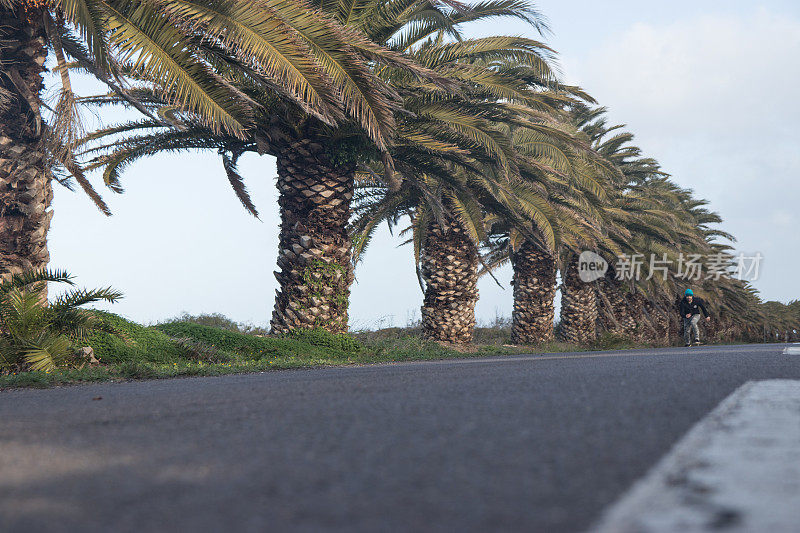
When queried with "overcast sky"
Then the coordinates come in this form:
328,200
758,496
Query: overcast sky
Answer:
708,87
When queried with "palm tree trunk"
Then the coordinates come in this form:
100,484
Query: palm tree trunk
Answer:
578,306
450,272
674,326
534,291
645,323
654,321
314,250
614,315
25,189
660,320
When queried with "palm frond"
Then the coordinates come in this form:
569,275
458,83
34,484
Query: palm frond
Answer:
237,182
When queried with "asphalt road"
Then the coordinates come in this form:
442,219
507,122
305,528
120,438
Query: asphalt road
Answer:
524,443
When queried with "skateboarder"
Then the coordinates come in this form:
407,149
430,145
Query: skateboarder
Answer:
690,308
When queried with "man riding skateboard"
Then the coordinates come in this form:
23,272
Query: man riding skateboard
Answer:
690,307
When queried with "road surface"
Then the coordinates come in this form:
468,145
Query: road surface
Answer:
520,443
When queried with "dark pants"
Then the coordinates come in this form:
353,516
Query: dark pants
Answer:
690,328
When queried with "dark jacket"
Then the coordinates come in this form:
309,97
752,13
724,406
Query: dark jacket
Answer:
694,307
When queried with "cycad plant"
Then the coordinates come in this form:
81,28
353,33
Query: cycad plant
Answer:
40,337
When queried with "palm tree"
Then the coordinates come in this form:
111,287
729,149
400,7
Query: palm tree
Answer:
662,220
450,216
461,168
25,194
638,221
573,182
115,40
578,304
397,91
449,271
317,153
534,293
455,208
452,210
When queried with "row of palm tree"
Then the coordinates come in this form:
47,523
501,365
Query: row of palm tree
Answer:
376,111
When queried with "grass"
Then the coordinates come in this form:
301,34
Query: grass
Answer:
189,346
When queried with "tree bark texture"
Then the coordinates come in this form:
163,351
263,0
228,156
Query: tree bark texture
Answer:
25,185
578,306
314,249
534,292
614,314
450,272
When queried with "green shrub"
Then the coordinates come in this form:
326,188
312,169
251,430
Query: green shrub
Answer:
611,341
326,339
493,336
200,351
130,341
136,370
220,339
218,320
302,343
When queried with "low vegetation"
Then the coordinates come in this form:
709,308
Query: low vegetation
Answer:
188,346
38,336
